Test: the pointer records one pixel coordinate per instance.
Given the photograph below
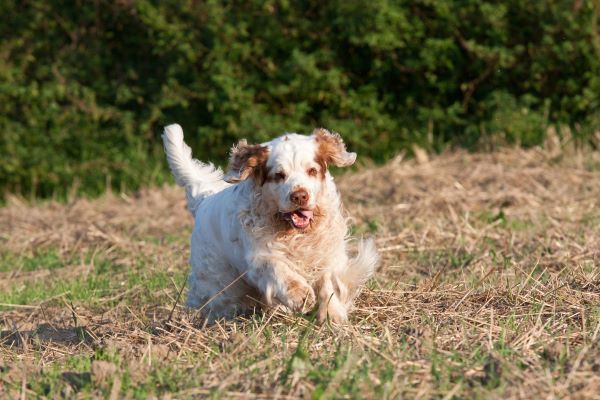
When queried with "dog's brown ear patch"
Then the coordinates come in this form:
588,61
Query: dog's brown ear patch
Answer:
246,160
331,149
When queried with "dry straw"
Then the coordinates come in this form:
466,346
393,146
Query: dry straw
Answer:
489,272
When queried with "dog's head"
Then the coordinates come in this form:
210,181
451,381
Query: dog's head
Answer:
290,171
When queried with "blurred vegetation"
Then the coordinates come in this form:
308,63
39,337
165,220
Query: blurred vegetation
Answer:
85,87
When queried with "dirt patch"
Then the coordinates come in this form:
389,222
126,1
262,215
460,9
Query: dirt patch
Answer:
45,333
103,371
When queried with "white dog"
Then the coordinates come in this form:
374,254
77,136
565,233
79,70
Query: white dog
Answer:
272,232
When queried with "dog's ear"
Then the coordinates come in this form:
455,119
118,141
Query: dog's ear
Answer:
246,160
331,149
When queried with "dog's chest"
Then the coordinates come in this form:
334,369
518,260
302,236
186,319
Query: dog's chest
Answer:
307,255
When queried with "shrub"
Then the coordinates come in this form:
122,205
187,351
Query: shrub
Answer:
85,88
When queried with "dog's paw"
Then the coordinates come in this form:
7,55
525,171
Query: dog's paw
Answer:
334,312
298,296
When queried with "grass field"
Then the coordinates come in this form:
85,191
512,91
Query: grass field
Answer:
489,287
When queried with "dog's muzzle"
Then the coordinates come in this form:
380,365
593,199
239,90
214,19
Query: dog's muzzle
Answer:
300,219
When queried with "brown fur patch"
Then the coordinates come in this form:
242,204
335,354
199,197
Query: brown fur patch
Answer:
265,174
331,150
248,160
322,165
293,285
270,177
298,293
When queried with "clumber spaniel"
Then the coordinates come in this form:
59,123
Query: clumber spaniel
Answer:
272,232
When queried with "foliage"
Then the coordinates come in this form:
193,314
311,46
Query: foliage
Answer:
86,87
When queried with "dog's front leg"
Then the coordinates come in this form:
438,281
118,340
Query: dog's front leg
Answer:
331,291
279,284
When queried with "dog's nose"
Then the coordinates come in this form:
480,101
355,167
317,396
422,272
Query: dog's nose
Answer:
299,197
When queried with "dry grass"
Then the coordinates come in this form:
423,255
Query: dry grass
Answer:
489,287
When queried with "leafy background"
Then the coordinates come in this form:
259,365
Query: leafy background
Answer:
85,87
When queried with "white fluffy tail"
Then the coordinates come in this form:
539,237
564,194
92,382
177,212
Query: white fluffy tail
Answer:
200,180
360,269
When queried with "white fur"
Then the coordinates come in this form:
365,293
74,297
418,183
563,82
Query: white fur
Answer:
244,256
200,180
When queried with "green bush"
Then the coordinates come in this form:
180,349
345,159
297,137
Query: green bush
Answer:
86,87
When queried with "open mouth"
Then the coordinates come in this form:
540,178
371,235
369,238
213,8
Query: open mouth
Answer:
300,219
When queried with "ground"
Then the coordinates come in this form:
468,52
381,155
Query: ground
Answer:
489,287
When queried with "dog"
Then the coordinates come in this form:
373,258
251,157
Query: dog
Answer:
272,231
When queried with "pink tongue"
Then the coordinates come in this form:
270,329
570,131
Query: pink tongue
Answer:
305,213
301,219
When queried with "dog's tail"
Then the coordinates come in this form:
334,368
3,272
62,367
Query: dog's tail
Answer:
359,270
200,180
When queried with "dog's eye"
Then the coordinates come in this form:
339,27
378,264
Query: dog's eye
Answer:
280,176
312,172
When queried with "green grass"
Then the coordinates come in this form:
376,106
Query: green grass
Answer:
490,304
95,282
341,369
511,223
45,259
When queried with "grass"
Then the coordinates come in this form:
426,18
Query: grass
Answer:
489,287
48,259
